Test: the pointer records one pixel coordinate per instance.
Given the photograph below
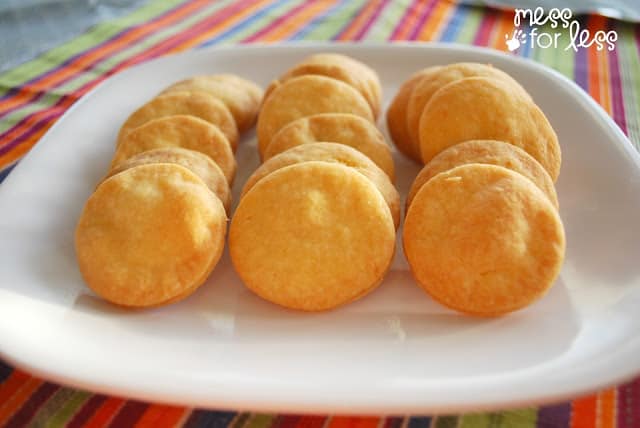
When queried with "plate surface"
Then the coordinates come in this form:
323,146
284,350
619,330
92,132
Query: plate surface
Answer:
391,352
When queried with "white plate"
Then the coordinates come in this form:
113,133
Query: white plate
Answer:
395,350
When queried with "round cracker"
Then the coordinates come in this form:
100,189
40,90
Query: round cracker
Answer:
429,85
483,240
198,104
306,96
486,152
480,108
312,236
337,153
241,96
184,131
150,235
342,128
198,163
341,67
397,115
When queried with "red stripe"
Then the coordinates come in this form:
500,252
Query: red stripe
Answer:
85,412
484,31
29,409
428,9
129,414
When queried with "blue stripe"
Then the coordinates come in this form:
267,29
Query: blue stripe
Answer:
454,25
420,422
6,171
209,419
5,371
300,34
242,24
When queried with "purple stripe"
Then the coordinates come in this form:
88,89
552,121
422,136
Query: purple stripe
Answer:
425,15
277,22
30,408
129,414
119,35
364,30
393,422
403,21
557,415
617,98
628,404
32,130
581,67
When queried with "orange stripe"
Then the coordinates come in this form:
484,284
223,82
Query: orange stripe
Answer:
360,20
439,19
18,398
9,386
607,408
218,28
161,416
21,149
583,412
503,26
592,55
354,422
105,413
601,64
72,68
295,22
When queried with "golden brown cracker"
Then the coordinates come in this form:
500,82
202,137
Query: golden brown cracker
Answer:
483,240
342,128
198,104
486,152
337,153
183,131
150,235
429,85
312,236
480,108
198,163
397,114
306,96
241,96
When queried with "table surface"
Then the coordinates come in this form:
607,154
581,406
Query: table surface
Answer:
41,80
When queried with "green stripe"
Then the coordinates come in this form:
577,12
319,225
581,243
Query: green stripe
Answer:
69,409
260,420
630,76
54,405
476,420
382,29
107,64
446,422
332,25
521,418
469,28
101,32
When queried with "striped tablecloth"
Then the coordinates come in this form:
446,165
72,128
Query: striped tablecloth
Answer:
35,94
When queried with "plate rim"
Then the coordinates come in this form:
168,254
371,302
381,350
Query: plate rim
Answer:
266,401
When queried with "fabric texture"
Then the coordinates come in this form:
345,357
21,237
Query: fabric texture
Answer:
35,94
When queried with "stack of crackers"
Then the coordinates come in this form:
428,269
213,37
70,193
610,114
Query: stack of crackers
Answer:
482,233
155,227
316,225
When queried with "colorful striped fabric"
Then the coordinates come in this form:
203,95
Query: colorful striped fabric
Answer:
35,94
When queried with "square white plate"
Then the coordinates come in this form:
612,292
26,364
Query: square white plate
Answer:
395,350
